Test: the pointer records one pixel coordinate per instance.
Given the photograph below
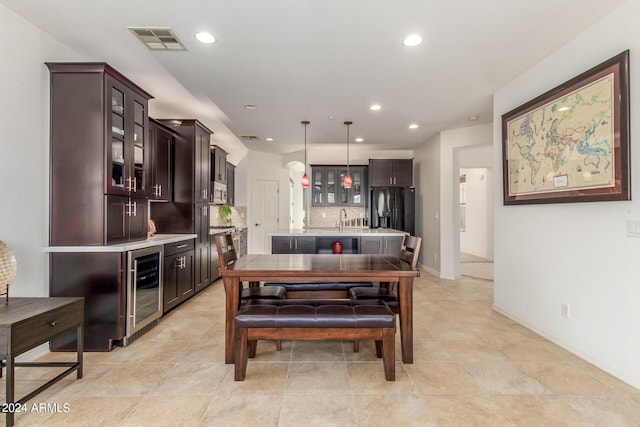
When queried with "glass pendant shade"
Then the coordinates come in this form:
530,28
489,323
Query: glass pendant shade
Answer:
347,178
305,177
347,181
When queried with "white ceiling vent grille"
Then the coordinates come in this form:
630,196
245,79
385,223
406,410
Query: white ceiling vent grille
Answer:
249,138
158,38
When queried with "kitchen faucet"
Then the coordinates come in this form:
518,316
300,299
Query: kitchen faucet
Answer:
341,223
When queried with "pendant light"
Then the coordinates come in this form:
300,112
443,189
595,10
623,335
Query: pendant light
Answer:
347,178
305,177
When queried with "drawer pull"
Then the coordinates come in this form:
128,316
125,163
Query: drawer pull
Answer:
53,323
181,246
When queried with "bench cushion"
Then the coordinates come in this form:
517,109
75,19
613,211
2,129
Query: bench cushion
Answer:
272,292
319,286
315,314
389,296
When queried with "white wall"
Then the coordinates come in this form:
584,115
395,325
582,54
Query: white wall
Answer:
24,148
426,171
452,143
575,253
269,167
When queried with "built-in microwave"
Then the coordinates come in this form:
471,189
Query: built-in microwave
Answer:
219,193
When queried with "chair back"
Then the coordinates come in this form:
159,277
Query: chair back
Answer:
411,249
226,251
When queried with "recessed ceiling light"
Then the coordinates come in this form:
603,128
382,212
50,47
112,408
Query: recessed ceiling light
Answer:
359,139
473,118
414,126
269,139
330,117
412,40
250,106
375,107
205,37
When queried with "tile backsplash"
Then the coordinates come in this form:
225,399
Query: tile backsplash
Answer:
238,216
330,215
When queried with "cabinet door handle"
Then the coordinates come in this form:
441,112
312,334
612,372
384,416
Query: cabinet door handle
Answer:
135,184
135,209
159,190
53,323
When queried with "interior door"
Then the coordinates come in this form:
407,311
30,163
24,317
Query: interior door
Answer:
264,197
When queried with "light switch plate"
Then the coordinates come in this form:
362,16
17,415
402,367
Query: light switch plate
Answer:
633,228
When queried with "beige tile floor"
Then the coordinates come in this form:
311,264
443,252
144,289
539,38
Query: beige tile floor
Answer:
473,367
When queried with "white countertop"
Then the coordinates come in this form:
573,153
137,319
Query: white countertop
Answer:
156,240
347,231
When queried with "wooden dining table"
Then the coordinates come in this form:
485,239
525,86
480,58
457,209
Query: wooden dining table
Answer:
315,268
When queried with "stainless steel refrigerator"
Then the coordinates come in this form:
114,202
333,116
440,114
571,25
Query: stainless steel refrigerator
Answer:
393,207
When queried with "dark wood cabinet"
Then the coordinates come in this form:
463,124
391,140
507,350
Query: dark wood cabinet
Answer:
357,195
244,237
391,172
178,273
99,142
160,170
219,165
189,211
388,245
125,219
101,278
202,249
231,184
328,186
293,245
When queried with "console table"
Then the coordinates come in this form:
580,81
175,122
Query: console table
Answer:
26,323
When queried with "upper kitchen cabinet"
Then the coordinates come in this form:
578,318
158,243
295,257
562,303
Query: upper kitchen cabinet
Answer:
357,194
391,172
219,165
192,164
328,188
231,184
160,176
99,143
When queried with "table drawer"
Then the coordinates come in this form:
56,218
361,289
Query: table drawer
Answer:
41,328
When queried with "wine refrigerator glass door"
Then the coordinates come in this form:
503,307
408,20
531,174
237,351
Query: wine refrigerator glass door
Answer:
144,296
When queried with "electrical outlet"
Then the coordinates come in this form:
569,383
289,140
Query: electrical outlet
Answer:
564,310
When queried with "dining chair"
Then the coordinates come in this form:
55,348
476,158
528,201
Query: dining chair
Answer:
409,253
227,256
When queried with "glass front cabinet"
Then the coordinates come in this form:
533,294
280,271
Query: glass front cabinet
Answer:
128,132
328,188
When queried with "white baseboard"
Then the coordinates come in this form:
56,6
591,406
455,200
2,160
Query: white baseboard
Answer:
581,354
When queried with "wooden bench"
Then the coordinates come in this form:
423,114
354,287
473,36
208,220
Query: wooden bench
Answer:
315,320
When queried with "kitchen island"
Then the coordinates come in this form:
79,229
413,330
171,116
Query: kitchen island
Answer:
354,240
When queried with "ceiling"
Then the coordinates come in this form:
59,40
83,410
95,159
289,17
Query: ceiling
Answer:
312,60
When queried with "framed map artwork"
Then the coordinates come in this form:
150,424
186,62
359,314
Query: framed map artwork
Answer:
571,144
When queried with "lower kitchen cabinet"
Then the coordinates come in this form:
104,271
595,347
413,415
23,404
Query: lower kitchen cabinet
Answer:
244,237
390,245
293,245
179,282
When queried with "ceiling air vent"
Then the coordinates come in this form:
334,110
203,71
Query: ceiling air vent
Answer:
250,138
158,38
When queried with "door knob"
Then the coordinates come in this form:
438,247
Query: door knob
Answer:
257,225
